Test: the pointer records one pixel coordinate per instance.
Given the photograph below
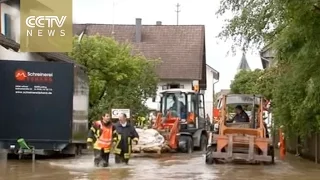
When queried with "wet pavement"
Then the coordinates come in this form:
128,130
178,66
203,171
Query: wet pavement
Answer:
174,166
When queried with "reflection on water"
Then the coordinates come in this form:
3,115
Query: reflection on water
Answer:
176,166
3,161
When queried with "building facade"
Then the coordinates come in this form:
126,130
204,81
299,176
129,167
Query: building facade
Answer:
181,50
212,79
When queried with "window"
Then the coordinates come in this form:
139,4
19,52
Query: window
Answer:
192,103
175,103
173,86
201,106
8,26
154,99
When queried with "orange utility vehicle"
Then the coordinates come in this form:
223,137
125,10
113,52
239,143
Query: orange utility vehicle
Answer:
245,141
182,120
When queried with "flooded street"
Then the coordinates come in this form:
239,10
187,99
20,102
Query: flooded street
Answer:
176,166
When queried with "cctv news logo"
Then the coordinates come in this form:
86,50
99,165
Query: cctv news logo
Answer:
25,76
46,26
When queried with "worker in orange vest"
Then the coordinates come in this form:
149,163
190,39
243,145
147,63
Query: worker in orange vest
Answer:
100,137
282,143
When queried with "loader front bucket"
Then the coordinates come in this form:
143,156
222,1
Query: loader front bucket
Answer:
244,148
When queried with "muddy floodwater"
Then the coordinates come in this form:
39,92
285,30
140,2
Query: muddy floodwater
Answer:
174,166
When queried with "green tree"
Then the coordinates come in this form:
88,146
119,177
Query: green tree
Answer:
245,82
118,78
255,82
291,28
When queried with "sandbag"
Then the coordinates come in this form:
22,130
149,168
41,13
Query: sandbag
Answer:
149,140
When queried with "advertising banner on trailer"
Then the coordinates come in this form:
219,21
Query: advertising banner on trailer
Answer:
36,100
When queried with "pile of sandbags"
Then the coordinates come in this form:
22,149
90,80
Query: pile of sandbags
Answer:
149,141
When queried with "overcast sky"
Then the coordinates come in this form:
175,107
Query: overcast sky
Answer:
192,12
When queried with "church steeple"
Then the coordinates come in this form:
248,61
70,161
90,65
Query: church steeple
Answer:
243,65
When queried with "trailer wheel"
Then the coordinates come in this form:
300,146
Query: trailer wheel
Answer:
203,142
78,150
20,156
209,159
187,144
271,153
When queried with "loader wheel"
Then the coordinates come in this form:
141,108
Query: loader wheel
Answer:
209,159
203,143
188,144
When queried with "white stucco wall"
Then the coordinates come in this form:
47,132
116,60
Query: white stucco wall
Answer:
209,92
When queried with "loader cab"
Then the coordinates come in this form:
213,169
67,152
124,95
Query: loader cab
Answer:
186,105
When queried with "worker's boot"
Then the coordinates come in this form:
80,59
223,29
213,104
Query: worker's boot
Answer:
97,158
117,159
104,164
105,161
96,162
126,161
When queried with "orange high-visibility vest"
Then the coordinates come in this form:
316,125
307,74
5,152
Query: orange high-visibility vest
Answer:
105,139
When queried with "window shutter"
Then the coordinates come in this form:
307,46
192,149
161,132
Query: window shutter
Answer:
7,25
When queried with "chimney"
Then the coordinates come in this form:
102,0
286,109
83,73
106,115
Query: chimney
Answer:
138,29
159,23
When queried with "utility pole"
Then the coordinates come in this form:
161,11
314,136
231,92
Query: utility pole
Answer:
178,11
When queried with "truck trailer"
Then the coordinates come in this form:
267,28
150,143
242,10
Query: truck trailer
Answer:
44,106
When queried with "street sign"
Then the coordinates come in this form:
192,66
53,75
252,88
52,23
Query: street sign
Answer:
116,112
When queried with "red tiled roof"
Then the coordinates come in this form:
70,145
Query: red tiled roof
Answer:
180,48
